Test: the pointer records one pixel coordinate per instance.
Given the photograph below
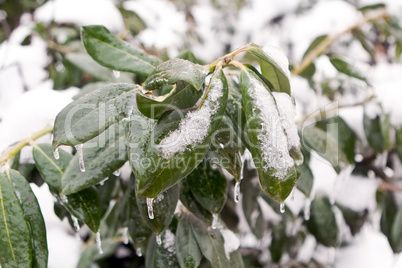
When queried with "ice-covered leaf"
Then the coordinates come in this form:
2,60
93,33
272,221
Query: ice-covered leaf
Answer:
179,142
344,67
210,242
33,216
162,207
101,155
115,54
322,223
188,252
182,96
15,237
163,255
174,70
274,66
268,142
209,186
87,117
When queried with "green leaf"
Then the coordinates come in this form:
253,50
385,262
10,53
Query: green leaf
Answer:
179,142
174,70
115,54
209,186
189,201
181,97
309,71
274,66
325,145
322,223
391,220
278,241
88,88
377,131
277,183
396,232
187,250
344,67
398,141
188,55
87,117
354,219
306,180
15,238
163,207
224,150
102,155
162,256
210,242
33,216
91,254
132,21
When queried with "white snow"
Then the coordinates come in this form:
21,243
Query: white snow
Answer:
231,242
193,129
276,55
274,143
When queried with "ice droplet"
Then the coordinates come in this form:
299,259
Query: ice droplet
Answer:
63,199
306,210
102,182
215,221
158,240
116,73
80,157
117,172
98,243
125,235
221,145
150,208
237,191
282,207
56,154
138,252
76,224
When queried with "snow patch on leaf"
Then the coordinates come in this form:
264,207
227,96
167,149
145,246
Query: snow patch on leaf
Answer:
231,242
279,58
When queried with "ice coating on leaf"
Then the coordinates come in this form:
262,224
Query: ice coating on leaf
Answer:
98,243
282,207
215,221
193,129
274,143
287,113
150,202
56,154
231,242
169,242
277,55
80,157
237,191
75,223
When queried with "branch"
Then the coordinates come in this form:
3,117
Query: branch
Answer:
8,155
313,54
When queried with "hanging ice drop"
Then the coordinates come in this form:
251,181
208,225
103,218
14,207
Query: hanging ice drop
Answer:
215,221
237,191
116,74
282,208
158,240
98,243
306,211
117,173
138,252
150,208
125,235
76,224
56,154
80,157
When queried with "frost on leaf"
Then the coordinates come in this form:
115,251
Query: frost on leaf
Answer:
193,129
279,58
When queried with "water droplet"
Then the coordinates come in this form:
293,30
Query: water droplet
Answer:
98,243
80,157
282,207
306,210
56,154
63,199
150,208
116,73
125,235
215,221
159,240
117,173
138,252
237,191
76,224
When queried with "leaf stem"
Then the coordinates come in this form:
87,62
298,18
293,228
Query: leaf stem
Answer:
7,156
313,54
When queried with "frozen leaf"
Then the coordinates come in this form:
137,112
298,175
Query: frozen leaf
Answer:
115,54
188,252
163,255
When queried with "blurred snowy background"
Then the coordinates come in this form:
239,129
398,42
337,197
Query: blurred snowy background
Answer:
210,28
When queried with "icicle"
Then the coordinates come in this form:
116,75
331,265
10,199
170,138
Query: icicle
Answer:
306,211
116,73
76,224
282,207
237,191
117,173
56,154
150,208
125,235
215,221
98,243
138,252
158,240
80,157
